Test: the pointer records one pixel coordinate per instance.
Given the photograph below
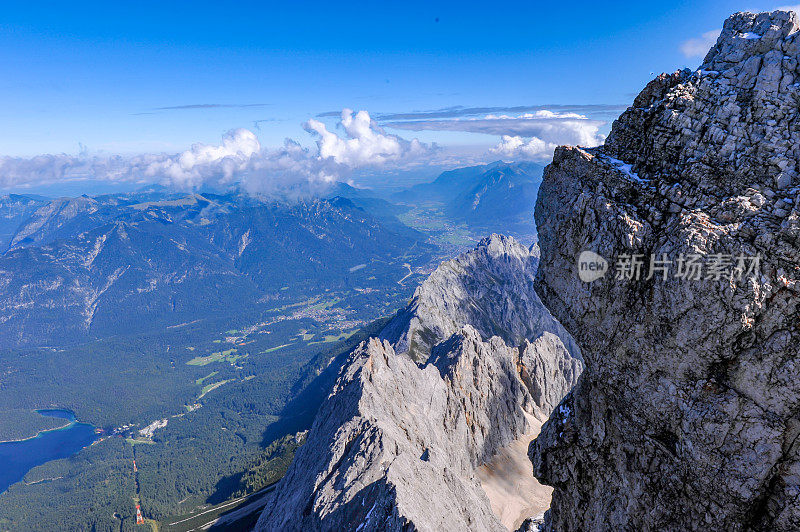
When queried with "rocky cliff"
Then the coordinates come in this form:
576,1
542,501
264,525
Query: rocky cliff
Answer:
490,288
688,413
401,444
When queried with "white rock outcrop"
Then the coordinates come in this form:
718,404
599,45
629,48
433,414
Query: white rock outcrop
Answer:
490,288
396,445
404,444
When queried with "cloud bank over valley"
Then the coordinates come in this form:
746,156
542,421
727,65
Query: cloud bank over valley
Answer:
333,151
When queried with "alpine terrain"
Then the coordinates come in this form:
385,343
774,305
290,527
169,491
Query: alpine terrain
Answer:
423,426
687,415
320,336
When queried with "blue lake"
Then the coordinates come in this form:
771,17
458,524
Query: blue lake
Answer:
19,457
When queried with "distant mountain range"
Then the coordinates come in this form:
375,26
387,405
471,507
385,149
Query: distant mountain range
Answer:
203,309
72,267
491,196
15,209
96,265
376,205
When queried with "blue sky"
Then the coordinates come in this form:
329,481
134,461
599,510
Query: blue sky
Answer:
157,77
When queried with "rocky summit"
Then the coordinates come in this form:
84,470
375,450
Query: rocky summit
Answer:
687,415
428,442
490,288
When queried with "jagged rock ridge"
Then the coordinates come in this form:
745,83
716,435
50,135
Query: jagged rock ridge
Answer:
489,288
687,416
398,445
391,448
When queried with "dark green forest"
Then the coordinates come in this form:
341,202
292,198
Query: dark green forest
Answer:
240,440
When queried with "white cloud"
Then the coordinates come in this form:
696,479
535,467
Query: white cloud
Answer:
518,148
199,164
239,158
551,127
699,46
795,8
530,135
366,143
550,130
202,162
356,144
16,171
473,112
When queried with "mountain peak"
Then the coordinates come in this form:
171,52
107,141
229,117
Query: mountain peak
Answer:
686,414
723,131
424,444
745,35
489,288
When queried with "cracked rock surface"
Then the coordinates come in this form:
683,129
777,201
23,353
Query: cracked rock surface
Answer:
398,442
687,414
490,288
396,446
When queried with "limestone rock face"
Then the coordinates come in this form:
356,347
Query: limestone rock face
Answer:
687,415
490,288
395,446
548,370
398,443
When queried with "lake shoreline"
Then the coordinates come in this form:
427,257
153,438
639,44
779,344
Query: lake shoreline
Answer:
20,456
57,413
62,427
